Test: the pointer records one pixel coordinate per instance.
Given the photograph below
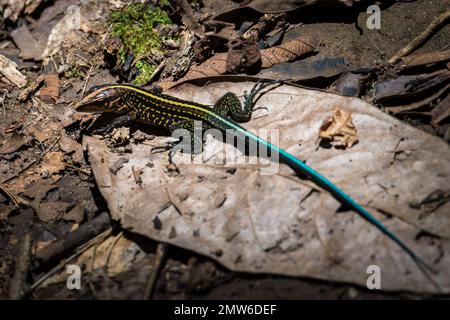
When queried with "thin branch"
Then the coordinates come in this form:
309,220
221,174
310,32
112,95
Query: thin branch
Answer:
422,37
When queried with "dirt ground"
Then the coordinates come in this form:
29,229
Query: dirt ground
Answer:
51,166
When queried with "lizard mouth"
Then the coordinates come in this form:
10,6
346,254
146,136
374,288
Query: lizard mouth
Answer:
98,105
90,106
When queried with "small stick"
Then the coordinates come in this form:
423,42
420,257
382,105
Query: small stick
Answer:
421,38
19,282
63,247
3,103
99,238
160,258
110,250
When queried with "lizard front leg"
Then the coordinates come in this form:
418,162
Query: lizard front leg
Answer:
117,122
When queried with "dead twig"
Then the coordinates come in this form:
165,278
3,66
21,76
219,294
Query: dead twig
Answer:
62,247
160,258
18,201
88,76
18,287
2,99
110,250
99,238
422,37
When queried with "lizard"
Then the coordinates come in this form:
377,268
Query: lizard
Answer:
152,107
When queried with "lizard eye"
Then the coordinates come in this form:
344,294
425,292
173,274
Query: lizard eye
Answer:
93,89
102,94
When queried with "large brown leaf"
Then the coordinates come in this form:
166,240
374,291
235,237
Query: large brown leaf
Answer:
280,223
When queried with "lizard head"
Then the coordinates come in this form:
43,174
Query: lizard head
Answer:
103,98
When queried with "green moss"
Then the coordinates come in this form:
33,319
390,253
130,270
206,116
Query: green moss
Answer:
75,72
135,27
146,70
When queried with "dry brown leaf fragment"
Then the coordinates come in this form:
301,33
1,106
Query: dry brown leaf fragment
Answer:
286,52
50,92
425,58
29,47
51,211
13,143
243,56
339,129
75,214
40,132
39,190
53,162
70,146
208,45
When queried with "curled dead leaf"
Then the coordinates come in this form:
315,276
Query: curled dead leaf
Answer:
339,129
50,92
243,56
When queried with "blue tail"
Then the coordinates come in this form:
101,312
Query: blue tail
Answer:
301,168
344,198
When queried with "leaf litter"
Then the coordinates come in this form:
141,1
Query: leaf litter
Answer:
84,55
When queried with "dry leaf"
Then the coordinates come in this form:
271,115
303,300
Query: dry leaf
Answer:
51,211
38,190
29,47
50,92
243,56
422,59
238,10
278,223
285,52
64,30
13,143
339,129
69,146
217,64
41,131
53,162
76,214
